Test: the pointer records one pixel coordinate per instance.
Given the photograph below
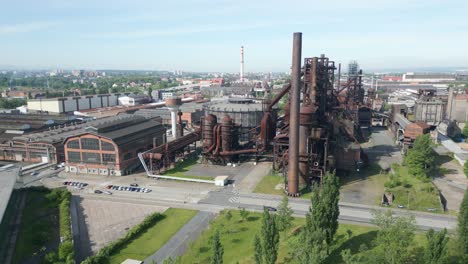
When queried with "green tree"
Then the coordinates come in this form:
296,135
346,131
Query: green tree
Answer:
349,258
420,157
270,237
463,225
257,250
395,236
330,196
284,215
244,214
465,131
150,91
30,95
436,249
217,249
465,168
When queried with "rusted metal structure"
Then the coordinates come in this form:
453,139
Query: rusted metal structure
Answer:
315,135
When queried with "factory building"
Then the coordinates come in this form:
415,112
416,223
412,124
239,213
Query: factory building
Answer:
457,106
112,147
244,112
73,103
21,136
191,113
429,110
132,100
428,77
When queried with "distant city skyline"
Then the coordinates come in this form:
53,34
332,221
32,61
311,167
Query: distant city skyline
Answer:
205,36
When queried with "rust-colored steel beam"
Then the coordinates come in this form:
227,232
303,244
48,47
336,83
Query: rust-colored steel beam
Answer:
293,157
278,96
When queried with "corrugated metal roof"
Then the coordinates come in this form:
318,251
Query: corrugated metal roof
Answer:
402,120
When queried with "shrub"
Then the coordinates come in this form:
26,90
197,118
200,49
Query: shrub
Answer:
393,181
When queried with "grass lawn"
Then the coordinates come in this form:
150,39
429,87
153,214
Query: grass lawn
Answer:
155,237
421,194
39,225
182,167
268,184
237,239
368,178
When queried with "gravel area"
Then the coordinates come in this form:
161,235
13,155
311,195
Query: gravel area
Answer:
104,221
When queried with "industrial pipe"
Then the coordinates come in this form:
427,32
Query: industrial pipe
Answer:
293,157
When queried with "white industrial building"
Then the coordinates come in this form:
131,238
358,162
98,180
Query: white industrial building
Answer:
73,103
132,100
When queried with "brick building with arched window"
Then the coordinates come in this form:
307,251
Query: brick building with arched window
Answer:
112,148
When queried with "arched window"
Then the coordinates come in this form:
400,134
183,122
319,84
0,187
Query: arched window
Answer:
73,144
90,143
107,146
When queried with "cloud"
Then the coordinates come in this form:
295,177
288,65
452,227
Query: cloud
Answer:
25,27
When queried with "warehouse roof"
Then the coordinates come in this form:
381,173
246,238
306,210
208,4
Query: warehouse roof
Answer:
123,128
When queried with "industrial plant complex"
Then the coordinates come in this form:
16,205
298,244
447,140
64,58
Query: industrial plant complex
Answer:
206,142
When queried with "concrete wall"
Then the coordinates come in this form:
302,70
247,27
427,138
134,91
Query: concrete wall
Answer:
55,106
430,112
45,105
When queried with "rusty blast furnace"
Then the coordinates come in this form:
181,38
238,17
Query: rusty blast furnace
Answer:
316,134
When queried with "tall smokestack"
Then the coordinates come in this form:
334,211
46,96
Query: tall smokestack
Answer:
242,64
295,96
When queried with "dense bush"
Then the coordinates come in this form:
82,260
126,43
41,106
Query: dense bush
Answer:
65,253
103,255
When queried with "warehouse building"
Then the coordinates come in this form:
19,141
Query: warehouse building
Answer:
112,147
73,103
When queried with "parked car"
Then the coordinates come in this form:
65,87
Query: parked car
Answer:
109,186
107,192
134,185
34,173
65,183
98,191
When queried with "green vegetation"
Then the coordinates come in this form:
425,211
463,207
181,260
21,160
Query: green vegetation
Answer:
421,157
238,239
394,238
216,249
465,169
317,236
268,183
465,130
8,103
285,217
412,192
182,167
436,250
5,229
39,228
463,226
148,237
269,238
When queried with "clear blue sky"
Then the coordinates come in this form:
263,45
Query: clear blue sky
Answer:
205,35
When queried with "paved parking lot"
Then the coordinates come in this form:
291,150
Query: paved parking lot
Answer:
104,221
